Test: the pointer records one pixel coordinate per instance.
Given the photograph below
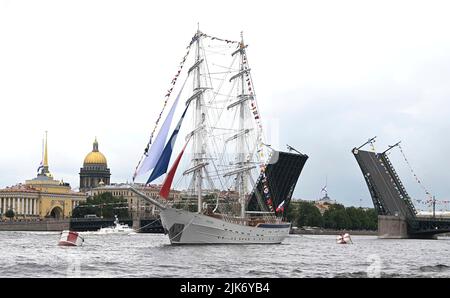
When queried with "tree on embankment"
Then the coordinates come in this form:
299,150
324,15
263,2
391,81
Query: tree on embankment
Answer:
104,205
305,214
10,214
337,217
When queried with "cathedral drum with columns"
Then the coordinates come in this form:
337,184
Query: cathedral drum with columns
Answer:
95,170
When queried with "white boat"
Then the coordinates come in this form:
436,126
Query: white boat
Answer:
117,228
70,238
241,186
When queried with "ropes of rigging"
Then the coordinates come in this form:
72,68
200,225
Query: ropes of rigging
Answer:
253,149
147,225
172,85
222,72
229,68
218,114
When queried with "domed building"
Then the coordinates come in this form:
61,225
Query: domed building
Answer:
95,170
41,197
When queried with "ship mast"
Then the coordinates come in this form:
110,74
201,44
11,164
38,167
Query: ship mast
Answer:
242,164
242,168
242,176
199,117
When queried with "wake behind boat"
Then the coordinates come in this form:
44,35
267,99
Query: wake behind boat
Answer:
241,186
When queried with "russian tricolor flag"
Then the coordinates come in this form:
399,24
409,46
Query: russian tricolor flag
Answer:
280,207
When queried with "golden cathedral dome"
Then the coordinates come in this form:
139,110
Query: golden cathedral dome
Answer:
95,157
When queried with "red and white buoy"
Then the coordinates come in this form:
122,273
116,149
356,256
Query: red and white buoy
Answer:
70,238
344,239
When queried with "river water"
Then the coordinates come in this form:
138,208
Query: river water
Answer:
36,254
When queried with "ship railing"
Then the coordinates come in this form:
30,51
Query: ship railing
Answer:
267,217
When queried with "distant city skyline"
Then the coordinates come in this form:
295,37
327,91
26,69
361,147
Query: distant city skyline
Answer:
328,76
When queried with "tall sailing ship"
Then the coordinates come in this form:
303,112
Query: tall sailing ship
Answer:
237,188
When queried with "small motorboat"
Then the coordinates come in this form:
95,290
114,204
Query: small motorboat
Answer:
70,238
118,228
344,239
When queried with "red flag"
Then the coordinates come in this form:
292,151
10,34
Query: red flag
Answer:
165,188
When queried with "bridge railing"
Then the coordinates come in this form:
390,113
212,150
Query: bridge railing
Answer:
398,184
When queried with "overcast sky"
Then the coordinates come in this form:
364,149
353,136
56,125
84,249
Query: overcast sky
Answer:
328,74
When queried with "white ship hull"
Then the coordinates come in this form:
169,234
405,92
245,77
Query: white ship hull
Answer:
184,227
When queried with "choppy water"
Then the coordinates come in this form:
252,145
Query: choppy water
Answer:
36,254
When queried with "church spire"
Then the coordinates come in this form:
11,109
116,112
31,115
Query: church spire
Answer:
44,163
45,152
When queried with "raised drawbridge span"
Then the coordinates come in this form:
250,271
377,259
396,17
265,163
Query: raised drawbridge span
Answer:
397,215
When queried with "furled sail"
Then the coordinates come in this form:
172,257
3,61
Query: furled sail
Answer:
163,161
165,188
156,149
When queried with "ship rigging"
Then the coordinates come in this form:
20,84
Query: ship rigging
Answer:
228,159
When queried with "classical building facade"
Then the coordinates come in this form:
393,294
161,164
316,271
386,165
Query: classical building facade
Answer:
41,197
324,203
95,171
137,205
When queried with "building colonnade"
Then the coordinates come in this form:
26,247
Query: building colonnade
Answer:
20,206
